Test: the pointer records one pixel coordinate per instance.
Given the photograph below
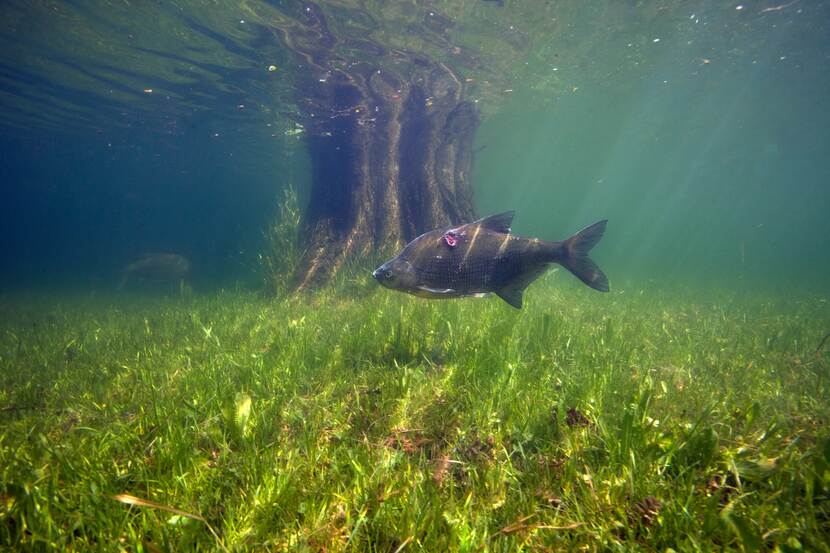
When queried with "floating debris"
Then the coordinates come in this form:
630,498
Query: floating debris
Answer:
646,511
272,68
779,7
573,417
296,131
440,469
408,441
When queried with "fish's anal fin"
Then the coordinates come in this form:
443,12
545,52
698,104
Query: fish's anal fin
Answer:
511,295
497,223
441,291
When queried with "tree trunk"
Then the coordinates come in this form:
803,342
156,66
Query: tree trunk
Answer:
391,151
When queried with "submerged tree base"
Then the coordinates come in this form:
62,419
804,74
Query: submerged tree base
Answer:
391,147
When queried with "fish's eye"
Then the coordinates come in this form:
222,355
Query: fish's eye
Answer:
387,274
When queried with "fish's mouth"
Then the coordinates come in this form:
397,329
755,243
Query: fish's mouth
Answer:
382,274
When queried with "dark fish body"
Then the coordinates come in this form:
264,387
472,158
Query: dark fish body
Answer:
482,257
158,268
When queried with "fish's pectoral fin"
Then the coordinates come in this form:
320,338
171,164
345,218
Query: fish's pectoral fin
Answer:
512,295
497,223
441,291
512,292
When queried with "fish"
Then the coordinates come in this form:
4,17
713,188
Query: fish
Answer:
156,268
484,257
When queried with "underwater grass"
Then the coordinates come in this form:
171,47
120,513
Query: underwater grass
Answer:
636,420
282,250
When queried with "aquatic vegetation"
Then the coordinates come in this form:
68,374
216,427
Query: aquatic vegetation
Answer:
346,418
636,420
282,245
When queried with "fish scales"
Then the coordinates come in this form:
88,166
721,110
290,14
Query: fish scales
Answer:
483,256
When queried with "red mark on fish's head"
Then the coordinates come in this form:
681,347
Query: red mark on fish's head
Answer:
450,239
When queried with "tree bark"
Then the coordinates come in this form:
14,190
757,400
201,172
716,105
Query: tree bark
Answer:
391,150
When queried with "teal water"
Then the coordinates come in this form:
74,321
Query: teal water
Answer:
700,130
187,401
715,173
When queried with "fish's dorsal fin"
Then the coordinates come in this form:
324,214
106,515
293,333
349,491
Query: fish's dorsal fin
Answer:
497,223
512,295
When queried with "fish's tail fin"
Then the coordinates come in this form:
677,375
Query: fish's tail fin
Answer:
574,256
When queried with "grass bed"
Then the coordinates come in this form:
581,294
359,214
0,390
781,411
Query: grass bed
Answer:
636,420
